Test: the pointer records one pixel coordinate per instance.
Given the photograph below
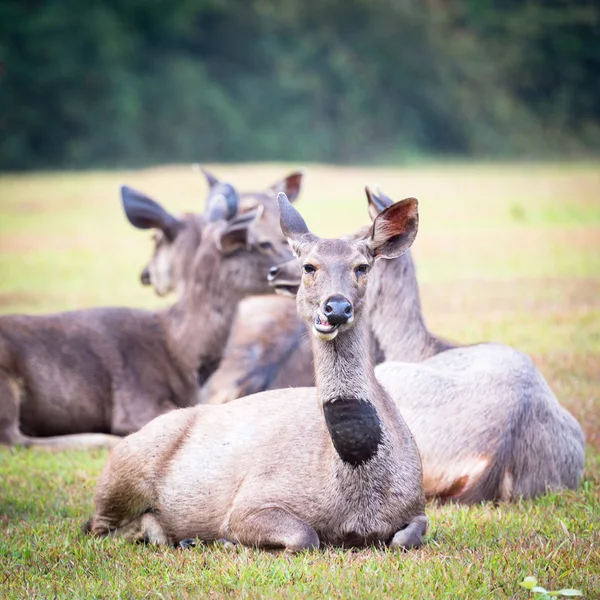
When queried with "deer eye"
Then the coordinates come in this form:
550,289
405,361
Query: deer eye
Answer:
266,246
361,270
308,268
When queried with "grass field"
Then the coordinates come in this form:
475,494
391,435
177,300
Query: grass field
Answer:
509,253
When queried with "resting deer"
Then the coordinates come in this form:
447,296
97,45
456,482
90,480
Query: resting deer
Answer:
288,468
486,423
69,379
258,319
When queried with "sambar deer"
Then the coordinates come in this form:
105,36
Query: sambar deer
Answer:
69,379
289,468
486,423
258,318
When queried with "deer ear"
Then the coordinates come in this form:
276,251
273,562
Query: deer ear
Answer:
290,186
395,229
292,224
210,178
222,203
236,233
377,202
145,213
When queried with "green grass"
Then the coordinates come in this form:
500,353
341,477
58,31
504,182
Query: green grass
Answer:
509,253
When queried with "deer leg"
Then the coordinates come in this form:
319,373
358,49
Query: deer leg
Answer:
272,528
75,441
410,536
9,411
11,435
146,528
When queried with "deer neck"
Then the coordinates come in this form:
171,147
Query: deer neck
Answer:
354,404
395,314
198,325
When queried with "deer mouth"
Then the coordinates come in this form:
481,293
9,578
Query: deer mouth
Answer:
323,329
286,289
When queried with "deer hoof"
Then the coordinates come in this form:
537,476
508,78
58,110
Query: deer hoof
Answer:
410,536
226,544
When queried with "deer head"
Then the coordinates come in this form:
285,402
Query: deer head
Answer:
334,273
176,239
285,278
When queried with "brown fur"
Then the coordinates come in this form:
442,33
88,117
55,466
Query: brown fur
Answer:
67,380
273,470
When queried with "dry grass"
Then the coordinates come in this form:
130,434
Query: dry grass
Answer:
508,253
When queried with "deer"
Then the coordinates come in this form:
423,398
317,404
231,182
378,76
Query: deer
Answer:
449,395
287,469
258,318
82,379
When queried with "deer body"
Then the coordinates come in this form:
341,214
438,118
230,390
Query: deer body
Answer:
487,425
68,379
288,468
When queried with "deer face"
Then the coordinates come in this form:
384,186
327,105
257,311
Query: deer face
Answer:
234,254
334,273
175,240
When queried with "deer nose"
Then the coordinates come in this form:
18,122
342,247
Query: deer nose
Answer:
145,277
338,310
273,272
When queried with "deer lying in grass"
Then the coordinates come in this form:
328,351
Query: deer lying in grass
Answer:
486,423
257,320
288,468
69,379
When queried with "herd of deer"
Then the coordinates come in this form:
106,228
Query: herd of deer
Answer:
286,435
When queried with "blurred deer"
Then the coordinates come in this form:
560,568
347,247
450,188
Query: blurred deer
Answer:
69,379
289,468
486,423
254,363
176,239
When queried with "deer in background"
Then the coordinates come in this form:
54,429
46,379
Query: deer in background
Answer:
176,239
289,468
79,379
257,319
486,423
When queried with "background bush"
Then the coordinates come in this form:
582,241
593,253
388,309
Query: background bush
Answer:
134,82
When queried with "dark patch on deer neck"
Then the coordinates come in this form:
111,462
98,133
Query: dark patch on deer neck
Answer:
355,429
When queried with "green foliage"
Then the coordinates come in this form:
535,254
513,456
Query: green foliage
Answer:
337,80
530,583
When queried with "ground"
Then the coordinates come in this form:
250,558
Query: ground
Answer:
509,253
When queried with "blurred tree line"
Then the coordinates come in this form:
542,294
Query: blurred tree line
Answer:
132,82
